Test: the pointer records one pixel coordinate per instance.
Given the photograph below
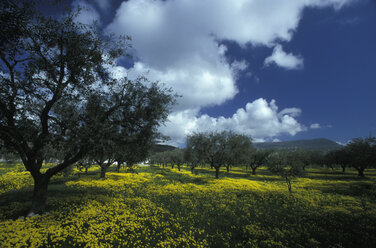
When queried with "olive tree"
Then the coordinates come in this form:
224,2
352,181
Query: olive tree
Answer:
129,131
191,156
237,148
84,164
286,165
361,153
51,69
337,157
177,157
257,158
161,158
211,146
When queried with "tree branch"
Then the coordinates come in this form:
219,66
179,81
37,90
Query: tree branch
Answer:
52,171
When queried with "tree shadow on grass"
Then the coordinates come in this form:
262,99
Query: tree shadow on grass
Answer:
172,176
350,174
354,189
206,175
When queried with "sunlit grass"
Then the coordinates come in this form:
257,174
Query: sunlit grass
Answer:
167,208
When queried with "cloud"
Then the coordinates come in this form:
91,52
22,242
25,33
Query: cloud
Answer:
259,120
343,143
88,15
283,59
180,43
315,126
294,112
239,66
199,86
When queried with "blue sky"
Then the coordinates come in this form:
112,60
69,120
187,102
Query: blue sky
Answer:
273,70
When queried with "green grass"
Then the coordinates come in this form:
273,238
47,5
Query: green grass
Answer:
165,208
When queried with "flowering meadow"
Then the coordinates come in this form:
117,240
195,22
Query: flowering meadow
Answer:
162,207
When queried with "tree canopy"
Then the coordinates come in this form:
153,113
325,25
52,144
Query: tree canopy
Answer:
361,154
218,148
57,90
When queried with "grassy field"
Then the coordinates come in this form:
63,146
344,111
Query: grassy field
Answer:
166,208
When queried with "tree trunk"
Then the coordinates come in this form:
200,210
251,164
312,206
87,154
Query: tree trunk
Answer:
216,172
343,169
179,167
288,182
360,172
118,167
86,170
38,204
103,172
228,168
192,168
254,171
172,165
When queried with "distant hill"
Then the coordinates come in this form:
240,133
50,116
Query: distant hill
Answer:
162,148
322,144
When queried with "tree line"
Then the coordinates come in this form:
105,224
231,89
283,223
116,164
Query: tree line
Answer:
228,149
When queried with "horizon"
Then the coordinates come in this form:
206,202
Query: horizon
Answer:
261,142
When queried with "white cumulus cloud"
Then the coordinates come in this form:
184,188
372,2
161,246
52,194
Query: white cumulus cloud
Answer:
260,120
283,59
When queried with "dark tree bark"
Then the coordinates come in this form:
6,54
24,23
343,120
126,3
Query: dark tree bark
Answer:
130,166
41,181
360,172
254,170
104,166
228,168
103,172
38,204
118,167
288,182
217,172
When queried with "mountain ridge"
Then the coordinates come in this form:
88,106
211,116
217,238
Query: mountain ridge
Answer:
319,144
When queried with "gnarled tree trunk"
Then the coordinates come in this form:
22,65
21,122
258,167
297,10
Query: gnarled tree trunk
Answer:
38,205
